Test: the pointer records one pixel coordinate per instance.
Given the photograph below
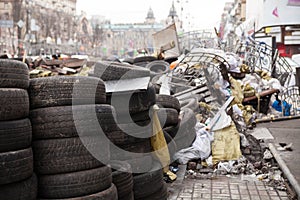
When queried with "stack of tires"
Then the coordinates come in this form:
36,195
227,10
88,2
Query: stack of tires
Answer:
123,179
150,185
158,67
17,179
184,133
169,117
131,139
70,152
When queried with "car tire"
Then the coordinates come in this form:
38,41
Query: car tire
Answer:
15,135
16,165
148,183
54,156
72,121
66,90
167,101
75,184
13,74
14,104
109,71
22,190
122,178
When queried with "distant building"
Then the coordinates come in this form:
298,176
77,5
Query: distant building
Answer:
35,23
124,40
173,18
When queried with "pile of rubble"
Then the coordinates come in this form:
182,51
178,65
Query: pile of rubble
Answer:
231,97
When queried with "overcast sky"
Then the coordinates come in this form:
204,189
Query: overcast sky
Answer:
197,14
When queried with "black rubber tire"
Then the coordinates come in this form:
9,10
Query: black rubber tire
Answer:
140,164
76,184
139,117
129,196
13,74
144,59
54,156
131,133
161,194
185,142
108,194
120,138
22,190
185,133
144,146
171,59
15,135
122,178
158,67
148,183
167,101
16,166
65,91
187,121
139,147
138,101
108,71
14,104
128,60
72,121
191,103
172,146
142,64
167,117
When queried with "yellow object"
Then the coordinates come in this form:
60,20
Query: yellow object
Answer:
264,74
268,29
206,106
45,73
245,68
158,142
226,144
171,175
248,91
237,91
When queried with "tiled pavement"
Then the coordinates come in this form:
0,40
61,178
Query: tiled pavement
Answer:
223,187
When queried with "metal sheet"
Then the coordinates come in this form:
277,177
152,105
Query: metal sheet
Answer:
165,37
127,84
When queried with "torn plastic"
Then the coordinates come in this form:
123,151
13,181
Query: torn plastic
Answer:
200,149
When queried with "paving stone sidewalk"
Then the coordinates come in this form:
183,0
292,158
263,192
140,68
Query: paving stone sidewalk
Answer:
223,187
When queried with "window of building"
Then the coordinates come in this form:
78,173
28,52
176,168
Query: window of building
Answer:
6,6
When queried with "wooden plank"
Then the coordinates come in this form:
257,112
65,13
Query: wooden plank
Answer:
261,94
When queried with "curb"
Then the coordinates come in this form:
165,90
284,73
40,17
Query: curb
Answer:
285,170
277,119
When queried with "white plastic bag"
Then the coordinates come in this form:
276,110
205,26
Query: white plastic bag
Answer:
200,149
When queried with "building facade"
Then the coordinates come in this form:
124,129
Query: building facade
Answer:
276,23
46,26
125,40
29,24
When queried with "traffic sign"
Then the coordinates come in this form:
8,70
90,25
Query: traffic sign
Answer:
20,23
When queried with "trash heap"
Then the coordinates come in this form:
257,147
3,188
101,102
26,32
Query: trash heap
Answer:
228,98
205,108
